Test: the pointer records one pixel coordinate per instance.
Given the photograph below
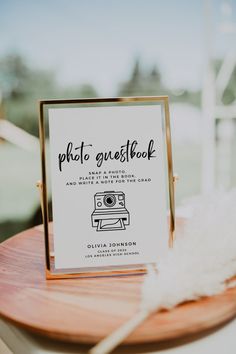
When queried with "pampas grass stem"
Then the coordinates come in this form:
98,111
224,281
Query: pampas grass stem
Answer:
114,339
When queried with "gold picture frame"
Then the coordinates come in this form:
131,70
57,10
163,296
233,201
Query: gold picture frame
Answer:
51,272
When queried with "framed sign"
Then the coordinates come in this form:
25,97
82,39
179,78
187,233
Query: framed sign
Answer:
108,166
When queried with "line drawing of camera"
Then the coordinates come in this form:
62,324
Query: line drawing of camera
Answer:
110,213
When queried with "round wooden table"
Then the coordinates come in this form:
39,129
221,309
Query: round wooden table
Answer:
86,310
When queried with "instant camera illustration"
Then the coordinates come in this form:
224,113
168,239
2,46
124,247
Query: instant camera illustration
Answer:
110,213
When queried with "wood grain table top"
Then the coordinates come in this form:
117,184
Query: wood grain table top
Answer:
86,310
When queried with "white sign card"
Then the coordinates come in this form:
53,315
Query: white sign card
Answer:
109,183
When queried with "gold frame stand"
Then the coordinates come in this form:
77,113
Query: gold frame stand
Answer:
51,273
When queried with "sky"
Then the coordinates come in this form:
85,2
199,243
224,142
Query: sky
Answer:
97,41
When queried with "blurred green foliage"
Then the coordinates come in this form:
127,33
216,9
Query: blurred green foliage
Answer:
22,86
149,82
229,95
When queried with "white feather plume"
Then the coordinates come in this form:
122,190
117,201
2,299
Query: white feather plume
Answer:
202,260
203,257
